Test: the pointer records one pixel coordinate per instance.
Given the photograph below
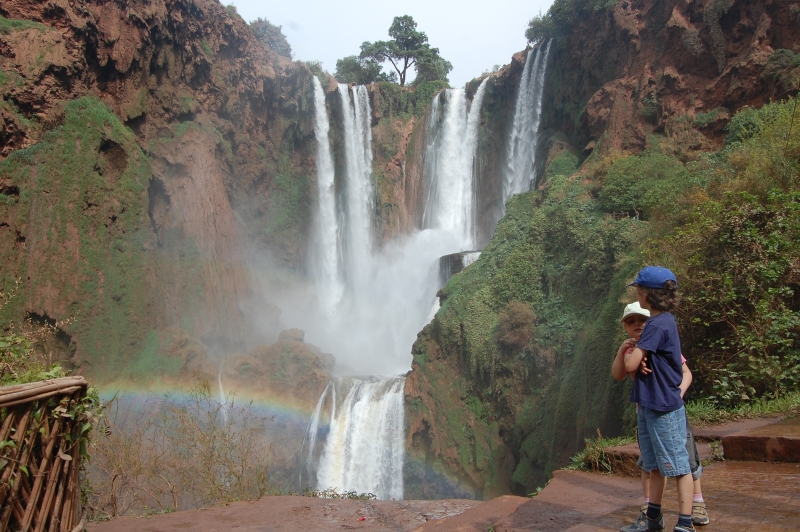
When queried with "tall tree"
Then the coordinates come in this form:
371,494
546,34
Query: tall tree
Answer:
272,36
407,48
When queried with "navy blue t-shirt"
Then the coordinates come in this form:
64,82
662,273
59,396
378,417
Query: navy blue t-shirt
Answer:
660,390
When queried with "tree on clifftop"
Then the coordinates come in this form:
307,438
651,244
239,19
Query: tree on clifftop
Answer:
353,69
407,48
272,36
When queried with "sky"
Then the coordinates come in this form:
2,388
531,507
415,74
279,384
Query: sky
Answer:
473,35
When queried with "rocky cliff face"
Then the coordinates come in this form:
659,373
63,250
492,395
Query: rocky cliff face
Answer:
650,71
192,148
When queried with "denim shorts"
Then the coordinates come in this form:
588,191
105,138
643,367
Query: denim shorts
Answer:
694,456
662,441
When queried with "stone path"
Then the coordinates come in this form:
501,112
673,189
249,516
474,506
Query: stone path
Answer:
741,496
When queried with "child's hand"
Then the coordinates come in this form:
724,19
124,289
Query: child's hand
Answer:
629,343
643,369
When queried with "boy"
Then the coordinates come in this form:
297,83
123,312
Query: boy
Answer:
633,320
661,415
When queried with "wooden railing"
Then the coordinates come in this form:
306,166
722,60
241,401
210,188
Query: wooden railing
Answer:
40,455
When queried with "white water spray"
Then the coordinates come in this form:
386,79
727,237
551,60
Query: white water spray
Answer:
522,142
326,248
364,448
358,183
451,198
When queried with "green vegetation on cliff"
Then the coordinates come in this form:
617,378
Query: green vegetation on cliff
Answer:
561,17
80,214
533,325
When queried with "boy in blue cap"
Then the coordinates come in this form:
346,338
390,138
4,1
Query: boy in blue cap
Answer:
661,415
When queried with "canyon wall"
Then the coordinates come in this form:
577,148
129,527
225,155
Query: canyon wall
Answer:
152,148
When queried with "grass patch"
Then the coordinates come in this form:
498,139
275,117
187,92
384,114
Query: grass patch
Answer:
593,457
10,25
702,412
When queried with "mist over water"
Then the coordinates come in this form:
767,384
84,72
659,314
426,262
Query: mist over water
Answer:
365,305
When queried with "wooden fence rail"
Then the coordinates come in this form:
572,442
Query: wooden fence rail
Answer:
40,456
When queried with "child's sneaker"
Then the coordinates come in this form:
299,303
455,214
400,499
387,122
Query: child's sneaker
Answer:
655,525
699,514
640,525
683,528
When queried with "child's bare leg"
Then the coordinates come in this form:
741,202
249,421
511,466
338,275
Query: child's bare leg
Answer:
657,485
646,484
685,489
698,490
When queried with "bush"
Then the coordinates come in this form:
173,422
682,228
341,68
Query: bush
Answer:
738,264
515,325
271,36
561,18
187,454
645,184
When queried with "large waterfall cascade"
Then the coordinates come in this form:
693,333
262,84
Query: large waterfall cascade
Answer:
524,136
375,301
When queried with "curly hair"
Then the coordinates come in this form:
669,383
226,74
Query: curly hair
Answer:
664,299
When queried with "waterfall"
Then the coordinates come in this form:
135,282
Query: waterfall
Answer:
326,248
451,199
522,141
358,183
365,445
378,298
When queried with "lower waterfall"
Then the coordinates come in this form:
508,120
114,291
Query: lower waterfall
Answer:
363,450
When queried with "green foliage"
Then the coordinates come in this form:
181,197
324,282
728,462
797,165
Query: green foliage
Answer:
271,36
737,261
644,184
353,69
712,12
705,411
289,203
651,106
408,48
770,158
11,25
150,361
394,101
594,457
703,119
565,164
66,183
561,18
783,67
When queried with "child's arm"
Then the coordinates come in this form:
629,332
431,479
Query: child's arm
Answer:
686,379
618,366
633,359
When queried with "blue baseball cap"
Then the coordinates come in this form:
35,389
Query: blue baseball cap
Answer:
654,277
